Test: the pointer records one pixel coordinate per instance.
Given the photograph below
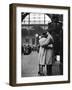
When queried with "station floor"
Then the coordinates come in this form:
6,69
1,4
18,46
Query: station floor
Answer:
30,66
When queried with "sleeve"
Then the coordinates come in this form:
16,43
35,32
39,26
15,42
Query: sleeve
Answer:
46,41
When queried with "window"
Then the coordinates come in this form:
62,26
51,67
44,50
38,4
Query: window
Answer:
36,18
33,40
27,40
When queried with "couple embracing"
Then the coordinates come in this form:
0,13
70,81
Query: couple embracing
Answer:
46,53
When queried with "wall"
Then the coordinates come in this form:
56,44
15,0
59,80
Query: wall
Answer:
4,44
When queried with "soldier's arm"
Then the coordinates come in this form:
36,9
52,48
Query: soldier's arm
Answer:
46,41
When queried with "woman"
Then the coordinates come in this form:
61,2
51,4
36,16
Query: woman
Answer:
46,53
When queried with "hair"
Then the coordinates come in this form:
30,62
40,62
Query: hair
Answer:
45,34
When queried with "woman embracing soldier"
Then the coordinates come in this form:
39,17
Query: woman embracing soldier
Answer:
46,53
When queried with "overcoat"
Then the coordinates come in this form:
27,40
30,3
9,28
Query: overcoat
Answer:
46,54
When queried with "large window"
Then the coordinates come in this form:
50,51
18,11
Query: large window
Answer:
33,19
36,18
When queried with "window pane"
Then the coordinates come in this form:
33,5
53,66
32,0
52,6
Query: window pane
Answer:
36,18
